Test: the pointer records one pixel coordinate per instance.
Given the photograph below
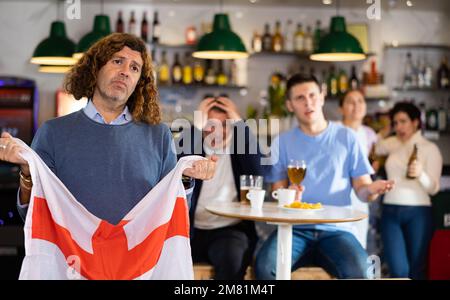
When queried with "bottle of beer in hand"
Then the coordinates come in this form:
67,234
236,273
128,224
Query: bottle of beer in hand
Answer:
412,158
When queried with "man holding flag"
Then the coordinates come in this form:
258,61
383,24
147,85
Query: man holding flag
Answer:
113,152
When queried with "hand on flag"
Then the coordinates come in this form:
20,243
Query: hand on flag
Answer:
202,169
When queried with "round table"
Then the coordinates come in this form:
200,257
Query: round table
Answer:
285,219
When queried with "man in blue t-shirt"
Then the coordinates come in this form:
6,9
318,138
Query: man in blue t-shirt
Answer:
337,170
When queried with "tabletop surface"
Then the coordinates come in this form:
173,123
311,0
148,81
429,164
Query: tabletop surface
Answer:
274,214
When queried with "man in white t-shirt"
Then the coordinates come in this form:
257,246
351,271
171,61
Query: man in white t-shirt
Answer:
227,244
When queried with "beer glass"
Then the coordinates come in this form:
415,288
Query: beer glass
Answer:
249,182
296,172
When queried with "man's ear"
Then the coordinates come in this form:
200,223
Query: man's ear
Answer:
289,105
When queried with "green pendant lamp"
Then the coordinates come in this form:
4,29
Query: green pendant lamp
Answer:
221,43
57,49
338,44
101,29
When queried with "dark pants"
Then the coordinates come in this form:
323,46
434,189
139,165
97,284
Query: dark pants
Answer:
229,249
406,233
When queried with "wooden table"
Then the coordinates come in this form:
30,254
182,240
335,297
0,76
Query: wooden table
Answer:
285,219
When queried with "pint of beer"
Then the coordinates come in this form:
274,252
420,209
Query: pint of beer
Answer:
247,183
296,171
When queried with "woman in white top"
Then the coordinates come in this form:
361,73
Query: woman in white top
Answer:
353,108
406,223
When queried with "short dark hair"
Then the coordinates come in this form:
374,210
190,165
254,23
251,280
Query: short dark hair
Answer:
408,108
342,98
300,78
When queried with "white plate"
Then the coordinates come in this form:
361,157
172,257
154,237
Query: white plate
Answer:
302,209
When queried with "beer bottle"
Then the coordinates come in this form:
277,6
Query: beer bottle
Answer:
164,70
412,158
132,24
119,23
177,70
144,27
187,69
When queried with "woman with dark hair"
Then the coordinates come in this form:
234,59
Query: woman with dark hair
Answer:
406,223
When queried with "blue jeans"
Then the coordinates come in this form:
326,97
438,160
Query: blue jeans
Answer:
406,233
338,252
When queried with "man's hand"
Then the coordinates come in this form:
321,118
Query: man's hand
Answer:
300,190
415,169
380,187
202,169
204,107
228,106
10,150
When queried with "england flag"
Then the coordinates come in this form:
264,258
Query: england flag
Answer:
65,241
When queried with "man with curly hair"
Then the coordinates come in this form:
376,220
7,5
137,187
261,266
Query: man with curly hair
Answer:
114,151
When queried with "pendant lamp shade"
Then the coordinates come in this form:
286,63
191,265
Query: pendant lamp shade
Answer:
338,44
54,69
221,43
57,49
101,29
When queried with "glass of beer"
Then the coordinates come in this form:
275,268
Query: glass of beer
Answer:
296,171
247,183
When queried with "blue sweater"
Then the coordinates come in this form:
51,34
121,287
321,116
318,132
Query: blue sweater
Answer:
108,168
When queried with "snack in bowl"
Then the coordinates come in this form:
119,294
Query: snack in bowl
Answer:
304,205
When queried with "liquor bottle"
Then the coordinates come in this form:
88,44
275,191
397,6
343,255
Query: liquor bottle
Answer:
374,76
222,78
412,158
191,35
432,119
324,85
428,74
132,24
289,36
443,75
318,34
119,23
199,72
164,70
267,38
420,73
442,117
156,28
409,72
277,40
187,69
354,82
256,42
144,27
342,83
177,70
309,41
332,83
299,39
210,77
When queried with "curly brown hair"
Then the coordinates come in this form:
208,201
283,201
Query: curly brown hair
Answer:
82,78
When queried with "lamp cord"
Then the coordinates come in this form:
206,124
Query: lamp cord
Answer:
337,7
102,7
